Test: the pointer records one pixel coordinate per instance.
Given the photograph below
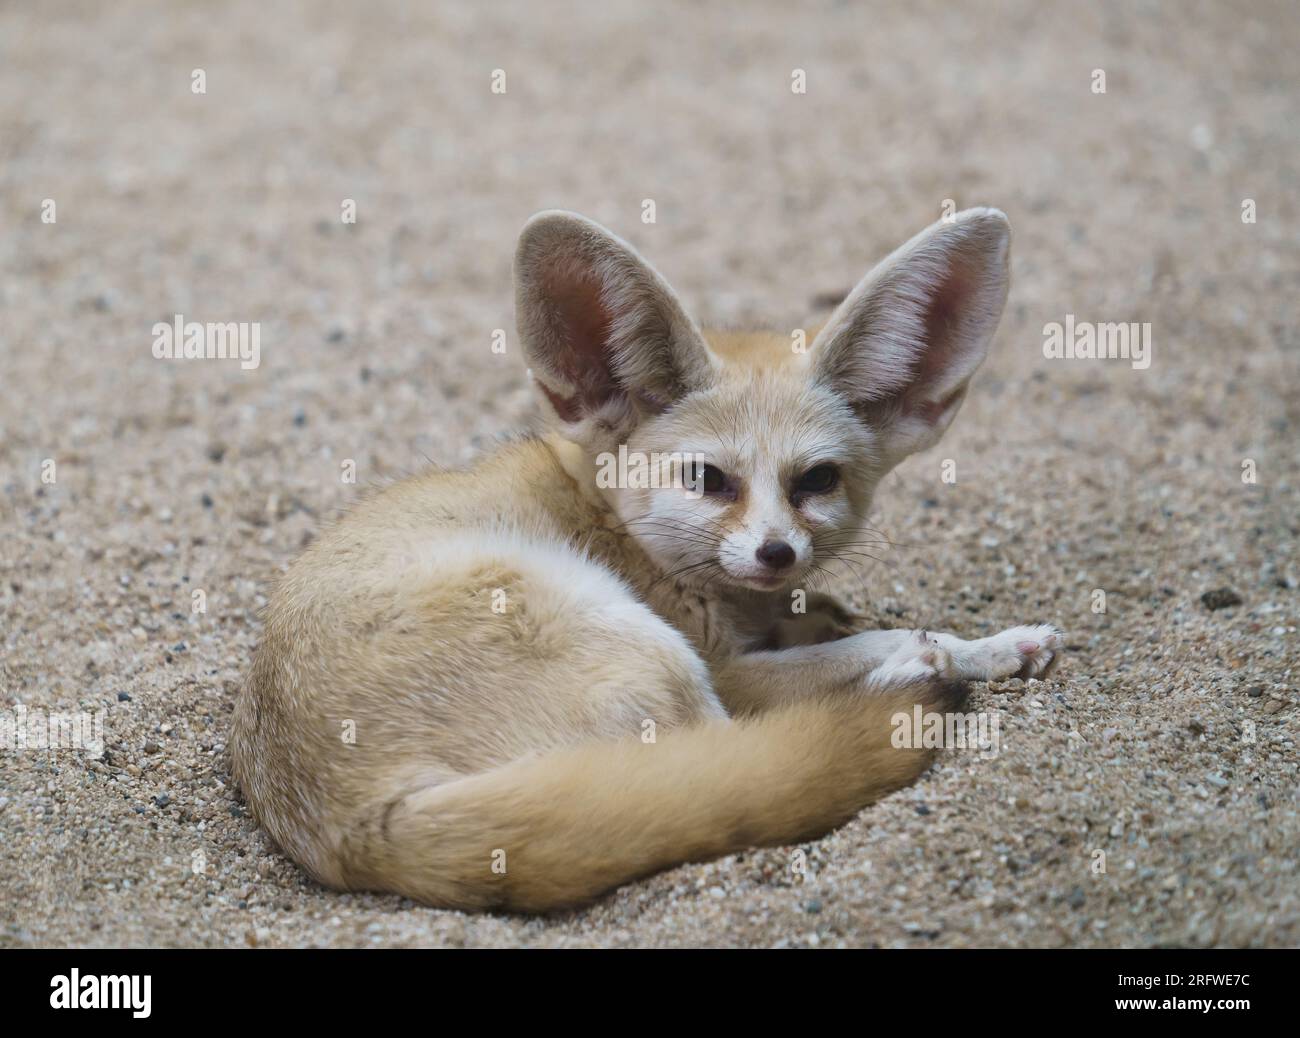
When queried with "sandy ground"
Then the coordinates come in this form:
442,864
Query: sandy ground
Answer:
1166,743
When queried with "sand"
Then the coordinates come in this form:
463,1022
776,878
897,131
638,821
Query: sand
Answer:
1145,794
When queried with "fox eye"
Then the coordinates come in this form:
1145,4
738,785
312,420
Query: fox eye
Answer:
710,479
818,480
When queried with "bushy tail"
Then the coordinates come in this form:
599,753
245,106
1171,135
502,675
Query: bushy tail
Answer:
556,830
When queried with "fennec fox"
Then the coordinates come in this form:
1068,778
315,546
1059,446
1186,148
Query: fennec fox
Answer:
517,686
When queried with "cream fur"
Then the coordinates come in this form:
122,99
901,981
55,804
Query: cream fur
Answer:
457,682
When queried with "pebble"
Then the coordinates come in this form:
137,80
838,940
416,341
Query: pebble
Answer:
1221,598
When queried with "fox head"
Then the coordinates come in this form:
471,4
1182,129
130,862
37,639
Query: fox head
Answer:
760,463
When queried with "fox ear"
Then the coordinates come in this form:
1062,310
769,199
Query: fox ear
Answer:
904,344
604,334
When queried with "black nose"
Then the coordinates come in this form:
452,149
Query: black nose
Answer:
776,554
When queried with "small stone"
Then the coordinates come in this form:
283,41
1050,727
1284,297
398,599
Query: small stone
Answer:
1273,706
123,697
1255,691
1218,781
162,800
1220,598
812,907
1195,726
1077,898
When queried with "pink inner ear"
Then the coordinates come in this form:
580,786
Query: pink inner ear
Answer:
938,356
584,325
941,318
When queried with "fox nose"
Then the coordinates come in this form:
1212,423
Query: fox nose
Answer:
775,554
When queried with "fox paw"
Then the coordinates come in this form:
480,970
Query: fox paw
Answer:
835,620
918,660
1031,651
823,620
